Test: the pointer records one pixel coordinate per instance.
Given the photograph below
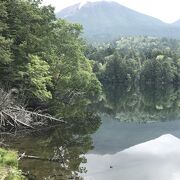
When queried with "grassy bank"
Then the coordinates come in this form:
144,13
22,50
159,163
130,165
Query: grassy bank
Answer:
9,166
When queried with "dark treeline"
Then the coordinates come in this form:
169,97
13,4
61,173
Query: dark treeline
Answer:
138,59
41,56
47,61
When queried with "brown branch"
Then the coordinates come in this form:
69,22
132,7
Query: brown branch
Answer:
38,115
16,120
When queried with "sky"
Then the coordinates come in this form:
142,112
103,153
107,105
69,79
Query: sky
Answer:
165,10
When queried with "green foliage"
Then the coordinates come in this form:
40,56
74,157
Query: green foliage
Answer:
72,71
5,55
8,165
41,55
132,59
38,77
120,70
158,70
8,157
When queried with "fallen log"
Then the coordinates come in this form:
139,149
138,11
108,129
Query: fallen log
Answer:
39,115
16,121
24,156
13,116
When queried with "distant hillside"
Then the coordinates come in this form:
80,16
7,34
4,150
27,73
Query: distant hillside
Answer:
177,23
108,20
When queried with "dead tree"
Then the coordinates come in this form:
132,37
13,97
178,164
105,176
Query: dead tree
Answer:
15,116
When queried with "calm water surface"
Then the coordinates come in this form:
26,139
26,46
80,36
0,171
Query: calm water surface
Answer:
134,135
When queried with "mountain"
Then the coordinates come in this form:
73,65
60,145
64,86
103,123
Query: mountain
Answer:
105,20
176,23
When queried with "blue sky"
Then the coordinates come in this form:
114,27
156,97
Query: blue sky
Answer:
165,10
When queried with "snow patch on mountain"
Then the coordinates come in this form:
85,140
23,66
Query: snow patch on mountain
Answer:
83,3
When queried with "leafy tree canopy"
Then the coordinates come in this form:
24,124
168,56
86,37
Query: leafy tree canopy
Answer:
40,55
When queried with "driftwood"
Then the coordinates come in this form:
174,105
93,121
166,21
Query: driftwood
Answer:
16,121
3,144
39,115
14,116
24,156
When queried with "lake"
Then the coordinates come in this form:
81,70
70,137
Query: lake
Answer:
128,133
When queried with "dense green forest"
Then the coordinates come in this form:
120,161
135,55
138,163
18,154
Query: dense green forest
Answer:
41,56
49,75
50,65
147,60
42,68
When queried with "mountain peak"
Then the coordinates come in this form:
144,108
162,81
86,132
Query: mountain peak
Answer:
83,4
108,20
176,23
75,9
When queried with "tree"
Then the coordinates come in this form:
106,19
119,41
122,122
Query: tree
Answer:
71,70
158,70
5,52
120,69
125,60
48,54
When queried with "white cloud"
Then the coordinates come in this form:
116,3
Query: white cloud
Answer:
166,10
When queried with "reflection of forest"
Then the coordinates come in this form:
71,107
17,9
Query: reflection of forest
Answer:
141,104
69,142
64,143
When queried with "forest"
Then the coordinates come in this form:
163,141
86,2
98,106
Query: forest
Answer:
46,64
144,60
42,63
42,57
45,58
49,71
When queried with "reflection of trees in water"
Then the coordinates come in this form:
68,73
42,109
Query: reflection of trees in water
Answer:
66,143
76,107
142,104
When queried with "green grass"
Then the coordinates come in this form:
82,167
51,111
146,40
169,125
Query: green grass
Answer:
9,166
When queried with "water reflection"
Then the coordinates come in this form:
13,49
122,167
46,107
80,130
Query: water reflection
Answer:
132,115
65,143
114,136
145,104
152,160
85,147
